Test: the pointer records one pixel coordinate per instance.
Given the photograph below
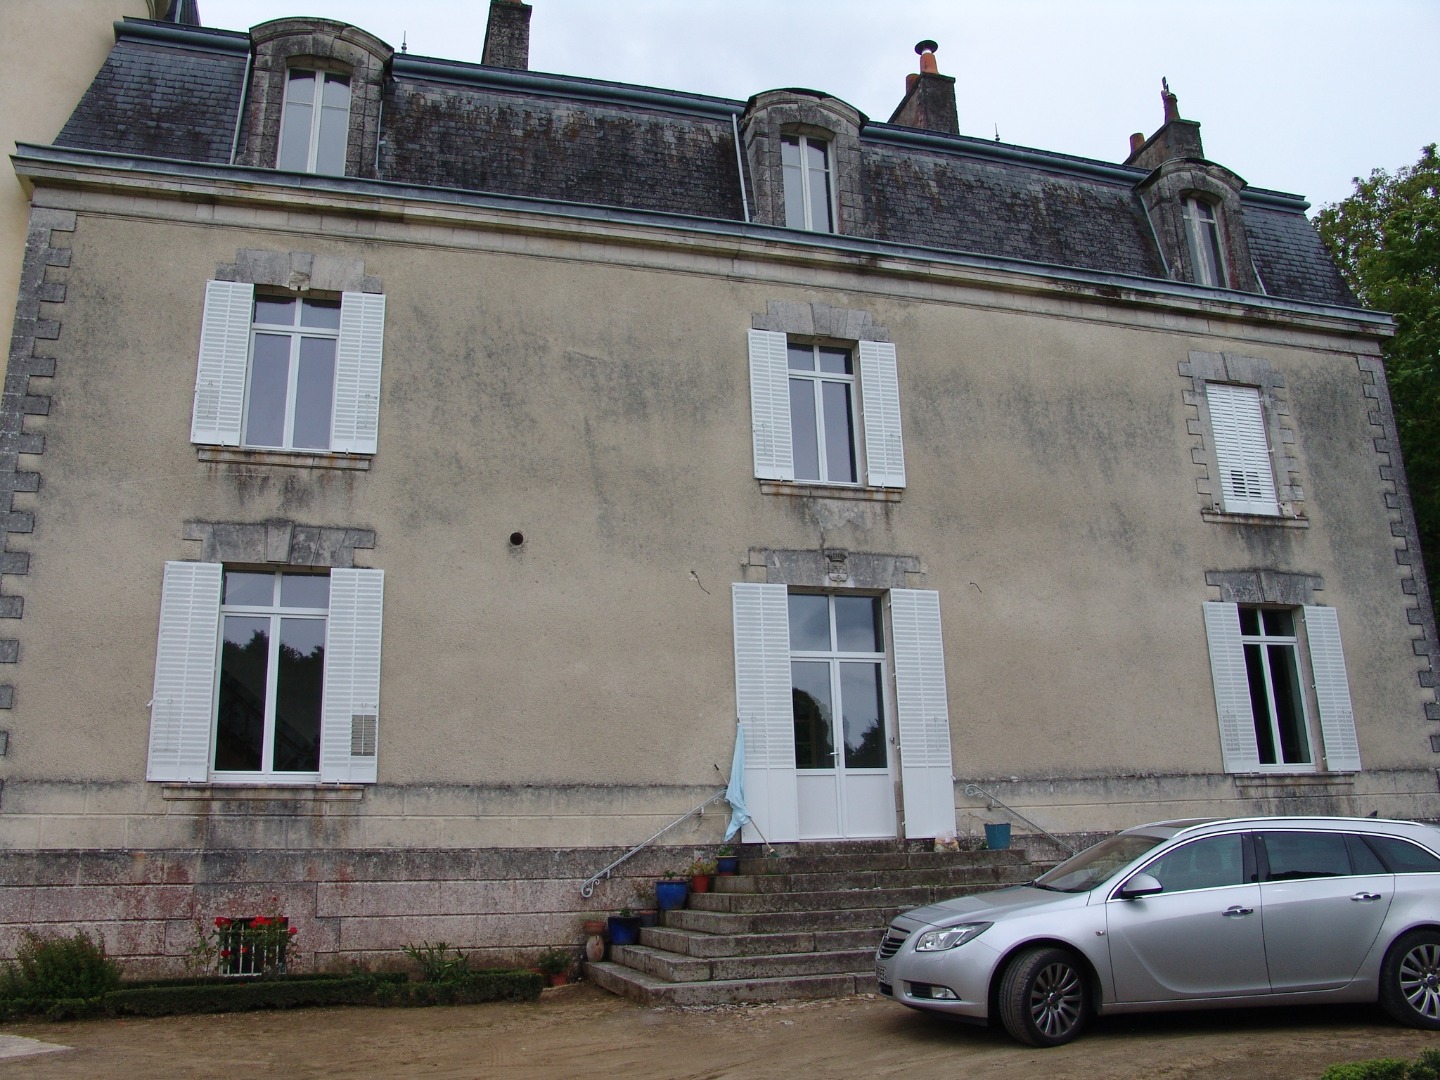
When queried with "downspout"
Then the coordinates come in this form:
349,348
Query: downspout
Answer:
244,97
379,131
740,165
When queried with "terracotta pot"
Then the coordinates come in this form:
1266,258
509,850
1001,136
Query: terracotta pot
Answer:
593,927
700,883
560,978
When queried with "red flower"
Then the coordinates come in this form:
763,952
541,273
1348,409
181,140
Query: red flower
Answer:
294,930
221,922
259,920
224,954
244,949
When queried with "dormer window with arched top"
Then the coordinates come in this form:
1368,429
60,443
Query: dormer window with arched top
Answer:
802,152
315,122
1202,234
809,194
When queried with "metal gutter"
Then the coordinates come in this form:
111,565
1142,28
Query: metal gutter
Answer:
30,157
207,39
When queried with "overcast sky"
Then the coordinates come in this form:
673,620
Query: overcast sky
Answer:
1294,95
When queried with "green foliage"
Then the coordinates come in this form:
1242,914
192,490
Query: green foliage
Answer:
1425,1067
473,989
438,962
555,961
1386,237
54,967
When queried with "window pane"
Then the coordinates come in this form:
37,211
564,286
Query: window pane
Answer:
1362,858
863,708
275,310
790,151
801,357
835,361
805,441
299,679
1260,704
1206,864
839,433
1295,855
819,177
330,156
1289,708
240,720
1249,620
810,691
1403,857
269,384
857,624
314,393
1279,622
305,591
809,622
301,86
794,198
252,590
336,94
321,314
295,137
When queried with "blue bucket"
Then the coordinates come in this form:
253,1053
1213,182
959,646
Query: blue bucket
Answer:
997,836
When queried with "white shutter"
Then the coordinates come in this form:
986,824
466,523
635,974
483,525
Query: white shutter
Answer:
1238,747
880,406
1332,690
765,710
357,373
1242,452
224,355
349,729
182,706
927,774
770,406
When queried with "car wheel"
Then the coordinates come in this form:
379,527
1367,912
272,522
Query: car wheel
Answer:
1044,999
1410,979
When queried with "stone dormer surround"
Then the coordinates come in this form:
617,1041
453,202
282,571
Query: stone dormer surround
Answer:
774,113
323,44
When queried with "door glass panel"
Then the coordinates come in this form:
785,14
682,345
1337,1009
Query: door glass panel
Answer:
244,664
1206,864
1296,855
863,706
809,622
810,690
1403,857
857,624
299,678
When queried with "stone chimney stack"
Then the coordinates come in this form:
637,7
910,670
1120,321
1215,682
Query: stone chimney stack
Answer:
507,35
1176,138
929,100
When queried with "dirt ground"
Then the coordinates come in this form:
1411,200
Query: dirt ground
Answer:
578,1031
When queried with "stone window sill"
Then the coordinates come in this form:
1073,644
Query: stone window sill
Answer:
1220,517
263,792
234,455
1255,785
829,491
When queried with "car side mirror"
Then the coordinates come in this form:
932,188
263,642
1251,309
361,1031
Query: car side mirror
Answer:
1138,886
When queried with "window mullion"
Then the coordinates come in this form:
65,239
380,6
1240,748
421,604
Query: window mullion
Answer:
292,388
272,682
818,395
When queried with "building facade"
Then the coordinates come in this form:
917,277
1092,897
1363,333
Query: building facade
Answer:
489,447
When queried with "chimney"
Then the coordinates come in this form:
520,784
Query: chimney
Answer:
929,100
1176,138
507,35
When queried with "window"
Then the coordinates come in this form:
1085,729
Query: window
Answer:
266,675
808,200
837,658
286,372
1202,233
816,421
1295,856
1242,451
1257,666
315,122
1212,862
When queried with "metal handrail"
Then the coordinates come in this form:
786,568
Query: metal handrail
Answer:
588,887
972,790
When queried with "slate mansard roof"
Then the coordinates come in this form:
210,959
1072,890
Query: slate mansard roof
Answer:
177,93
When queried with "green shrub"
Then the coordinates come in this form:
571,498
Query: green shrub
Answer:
470,989
1377,1069
1426,1067
438,962
54,967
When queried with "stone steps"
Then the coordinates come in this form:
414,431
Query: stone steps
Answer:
799,924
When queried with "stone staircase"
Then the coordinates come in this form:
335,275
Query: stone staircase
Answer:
800,923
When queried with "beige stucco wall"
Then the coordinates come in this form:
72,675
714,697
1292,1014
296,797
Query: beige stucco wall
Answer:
587,385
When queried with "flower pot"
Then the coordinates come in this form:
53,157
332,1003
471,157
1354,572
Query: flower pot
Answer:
559,978
700,883
997,836
727,864
649,917
624,929
670,895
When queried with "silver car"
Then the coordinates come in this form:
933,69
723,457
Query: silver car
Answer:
1183,915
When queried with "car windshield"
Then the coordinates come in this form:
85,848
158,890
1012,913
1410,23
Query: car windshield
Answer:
1093,865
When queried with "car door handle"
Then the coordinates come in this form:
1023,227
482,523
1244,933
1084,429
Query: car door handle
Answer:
1365,897
1237,912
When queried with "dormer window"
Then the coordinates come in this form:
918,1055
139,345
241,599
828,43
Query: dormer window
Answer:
1202,233
315,122
808,200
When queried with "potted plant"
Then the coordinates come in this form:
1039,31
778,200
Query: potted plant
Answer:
645,907
701,871
726,861
624,927
555,965
670,892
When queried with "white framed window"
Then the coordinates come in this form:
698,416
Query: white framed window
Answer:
314,122
809,195
1242,449
837,668
1262,659
286,372
1202,233
816,420
266,676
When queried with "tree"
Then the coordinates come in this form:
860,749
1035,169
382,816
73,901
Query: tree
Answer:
1386,237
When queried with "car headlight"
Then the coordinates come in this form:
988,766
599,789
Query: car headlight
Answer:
951,936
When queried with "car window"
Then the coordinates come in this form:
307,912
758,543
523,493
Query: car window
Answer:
1297,855
1363,857
1207,863
1403,857
1084,871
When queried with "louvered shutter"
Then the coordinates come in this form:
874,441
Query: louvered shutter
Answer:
350,724
357,373
220,371
770,406
927,773
880,405
1242,451
765,710
183,701
1238,747
1332,690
